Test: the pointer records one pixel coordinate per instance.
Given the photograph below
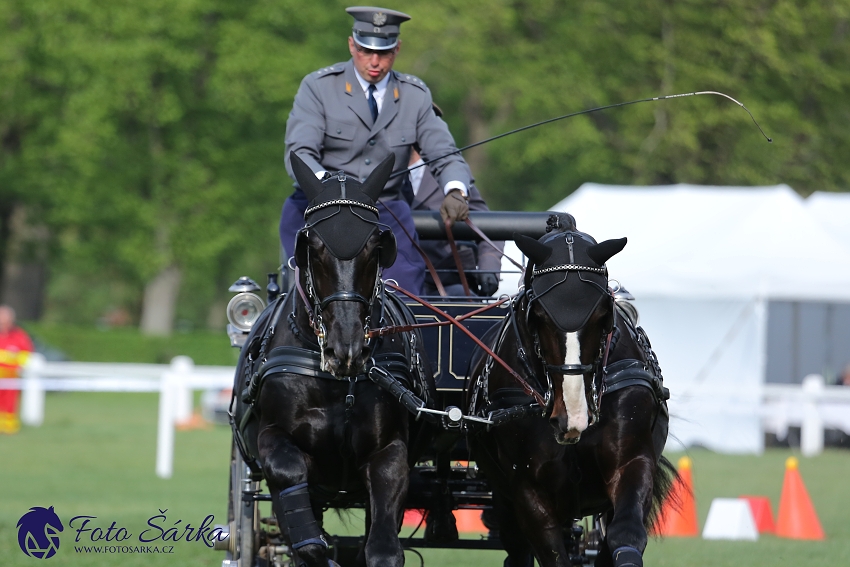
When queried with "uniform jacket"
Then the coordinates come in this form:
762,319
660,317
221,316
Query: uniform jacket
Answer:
330,127
429,197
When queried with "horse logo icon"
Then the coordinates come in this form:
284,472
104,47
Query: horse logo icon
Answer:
38,532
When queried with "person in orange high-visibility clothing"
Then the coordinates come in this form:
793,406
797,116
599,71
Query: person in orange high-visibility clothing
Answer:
15,347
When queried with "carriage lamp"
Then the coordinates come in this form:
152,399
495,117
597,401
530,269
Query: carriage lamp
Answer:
243,310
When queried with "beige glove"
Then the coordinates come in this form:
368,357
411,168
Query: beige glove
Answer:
454,207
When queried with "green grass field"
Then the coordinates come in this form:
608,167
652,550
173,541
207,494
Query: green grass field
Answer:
95,456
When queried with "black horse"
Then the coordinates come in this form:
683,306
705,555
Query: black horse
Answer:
310,420
595,450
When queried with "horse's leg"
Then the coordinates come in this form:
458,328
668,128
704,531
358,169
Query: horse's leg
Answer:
285,470
603,556
630,490
537,516
386,475
510,534
440,524
628,466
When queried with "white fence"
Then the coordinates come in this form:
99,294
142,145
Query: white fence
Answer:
174,382
812,407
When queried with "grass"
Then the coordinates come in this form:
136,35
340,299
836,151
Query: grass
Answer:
95,455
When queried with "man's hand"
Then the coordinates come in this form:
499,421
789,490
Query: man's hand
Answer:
454,206
488,284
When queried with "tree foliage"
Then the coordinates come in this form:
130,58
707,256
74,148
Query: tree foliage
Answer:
148,135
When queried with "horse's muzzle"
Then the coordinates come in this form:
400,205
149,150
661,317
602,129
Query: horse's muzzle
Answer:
346,361
568,438
564,433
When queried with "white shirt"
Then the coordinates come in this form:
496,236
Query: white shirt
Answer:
416,175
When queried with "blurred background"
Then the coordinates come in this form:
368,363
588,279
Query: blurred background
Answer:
141,143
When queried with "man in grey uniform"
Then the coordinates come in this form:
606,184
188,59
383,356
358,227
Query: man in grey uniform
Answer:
350,116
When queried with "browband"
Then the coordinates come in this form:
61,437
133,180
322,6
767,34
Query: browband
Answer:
340,202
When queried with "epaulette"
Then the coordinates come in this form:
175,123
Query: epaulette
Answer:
412,79
332,70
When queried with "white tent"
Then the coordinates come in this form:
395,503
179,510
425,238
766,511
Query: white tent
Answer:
703,262
832,210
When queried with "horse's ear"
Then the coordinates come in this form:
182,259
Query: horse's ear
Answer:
377,180
602,252
534,249
389,249
301,249
305,177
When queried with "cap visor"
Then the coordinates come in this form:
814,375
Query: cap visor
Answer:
374,42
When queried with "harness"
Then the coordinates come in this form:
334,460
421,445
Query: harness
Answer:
404,368
511,403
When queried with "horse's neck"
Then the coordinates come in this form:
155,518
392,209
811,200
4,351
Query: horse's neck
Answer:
297,332
626,347
519,335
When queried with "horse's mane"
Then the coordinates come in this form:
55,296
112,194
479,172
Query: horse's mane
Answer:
560,222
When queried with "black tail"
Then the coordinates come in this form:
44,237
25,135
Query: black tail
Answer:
662,482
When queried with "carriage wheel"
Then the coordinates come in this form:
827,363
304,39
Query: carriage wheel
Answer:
242,515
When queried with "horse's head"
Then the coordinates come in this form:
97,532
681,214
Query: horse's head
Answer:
340,253
570,310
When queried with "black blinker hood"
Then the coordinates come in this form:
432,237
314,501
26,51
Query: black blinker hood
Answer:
569,297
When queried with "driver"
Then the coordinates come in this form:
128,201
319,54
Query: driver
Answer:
349,116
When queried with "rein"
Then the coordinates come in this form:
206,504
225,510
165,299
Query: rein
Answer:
456,255
380,332
526,387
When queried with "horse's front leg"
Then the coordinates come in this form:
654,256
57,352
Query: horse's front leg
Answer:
631,494
629,466
386,476
537,516
285,470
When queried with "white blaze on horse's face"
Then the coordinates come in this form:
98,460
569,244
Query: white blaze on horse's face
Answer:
575,401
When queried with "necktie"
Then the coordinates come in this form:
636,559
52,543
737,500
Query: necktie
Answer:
407,189
373,104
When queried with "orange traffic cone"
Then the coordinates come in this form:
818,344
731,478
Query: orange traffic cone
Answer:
679,514
412,518
797,518
469,521
762,513
197,421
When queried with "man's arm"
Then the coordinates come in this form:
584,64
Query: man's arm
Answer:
305,128
435,141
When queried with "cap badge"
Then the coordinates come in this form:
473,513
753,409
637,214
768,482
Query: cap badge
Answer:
379,18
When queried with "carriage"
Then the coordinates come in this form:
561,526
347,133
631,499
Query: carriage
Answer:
437,485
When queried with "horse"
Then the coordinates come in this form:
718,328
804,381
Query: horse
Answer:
596,448
310,421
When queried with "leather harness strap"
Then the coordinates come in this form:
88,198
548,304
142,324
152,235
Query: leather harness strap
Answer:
460,271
